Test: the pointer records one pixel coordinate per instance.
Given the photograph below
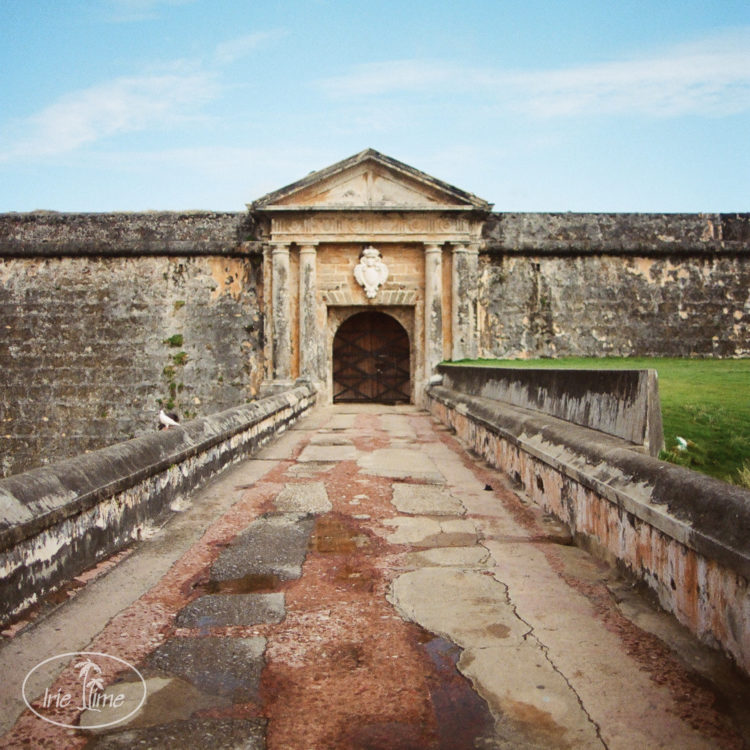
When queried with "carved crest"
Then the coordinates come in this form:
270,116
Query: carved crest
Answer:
371,272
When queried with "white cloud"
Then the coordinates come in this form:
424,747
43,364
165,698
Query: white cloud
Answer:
121,105
393,76
234,49
164,97
709,77
205,176
125,11
711,82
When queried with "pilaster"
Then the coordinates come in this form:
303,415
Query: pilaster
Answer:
433,308
464,301
309,335
473,294
282,334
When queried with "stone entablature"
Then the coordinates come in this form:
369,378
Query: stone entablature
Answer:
418,226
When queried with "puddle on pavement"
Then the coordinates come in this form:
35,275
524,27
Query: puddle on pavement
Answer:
255,583
333,536
355,578
394,735
463,718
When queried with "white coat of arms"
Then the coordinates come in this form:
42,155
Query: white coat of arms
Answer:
371,272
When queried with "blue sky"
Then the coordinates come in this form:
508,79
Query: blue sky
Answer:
564,105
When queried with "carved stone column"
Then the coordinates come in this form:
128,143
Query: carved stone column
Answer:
308,329
282,333
433,308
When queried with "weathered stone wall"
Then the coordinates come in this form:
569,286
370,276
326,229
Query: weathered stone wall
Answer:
98,329
60,520
599,305
556,285
47,233
622,403
103,317
637,234
682,534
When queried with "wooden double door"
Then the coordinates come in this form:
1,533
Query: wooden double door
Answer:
371,360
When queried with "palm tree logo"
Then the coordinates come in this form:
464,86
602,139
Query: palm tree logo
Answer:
87,671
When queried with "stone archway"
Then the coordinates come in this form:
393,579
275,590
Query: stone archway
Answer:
371,360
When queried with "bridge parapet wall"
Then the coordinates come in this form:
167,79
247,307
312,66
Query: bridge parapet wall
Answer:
685,535
622,403
59,520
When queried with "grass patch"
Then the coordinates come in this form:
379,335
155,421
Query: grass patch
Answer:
704,401
743,475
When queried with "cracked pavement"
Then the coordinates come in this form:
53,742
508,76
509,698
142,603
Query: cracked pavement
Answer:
365,583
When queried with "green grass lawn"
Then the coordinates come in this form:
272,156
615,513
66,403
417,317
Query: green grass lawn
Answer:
704,401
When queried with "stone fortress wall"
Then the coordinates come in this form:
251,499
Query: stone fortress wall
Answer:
105,316
595,285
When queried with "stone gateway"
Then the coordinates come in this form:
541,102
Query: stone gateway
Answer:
369,234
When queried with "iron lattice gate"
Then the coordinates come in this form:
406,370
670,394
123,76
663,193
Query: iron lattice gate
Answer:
371,360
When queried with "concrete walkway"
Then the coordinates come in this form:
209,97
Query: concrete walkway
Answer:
364,583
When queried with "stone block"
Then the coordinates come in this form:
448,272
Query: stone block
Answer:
222,610
228,667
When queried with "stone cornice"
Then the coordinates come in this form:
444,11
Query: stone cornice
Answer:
358,227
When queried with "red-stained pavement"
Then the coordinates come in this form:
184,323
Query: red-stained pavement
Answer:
364,583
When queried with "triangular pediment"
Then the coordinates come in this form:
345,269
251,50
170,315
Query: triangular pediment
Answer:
369,181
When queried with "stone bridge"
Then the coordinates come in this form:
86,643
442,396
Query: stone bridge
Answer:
365,581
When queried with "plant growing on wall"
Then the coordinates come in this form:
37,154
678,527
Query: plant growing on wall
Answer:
172,371
174,340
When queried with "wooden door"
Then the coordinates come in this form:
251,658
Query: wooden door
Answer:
371,360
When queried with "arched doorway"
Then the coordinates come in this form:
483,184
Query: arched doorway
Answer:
371,360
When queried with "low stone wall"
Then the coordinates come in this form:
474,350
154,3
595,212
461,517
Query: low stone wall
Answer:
685,535
623,403
59,520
